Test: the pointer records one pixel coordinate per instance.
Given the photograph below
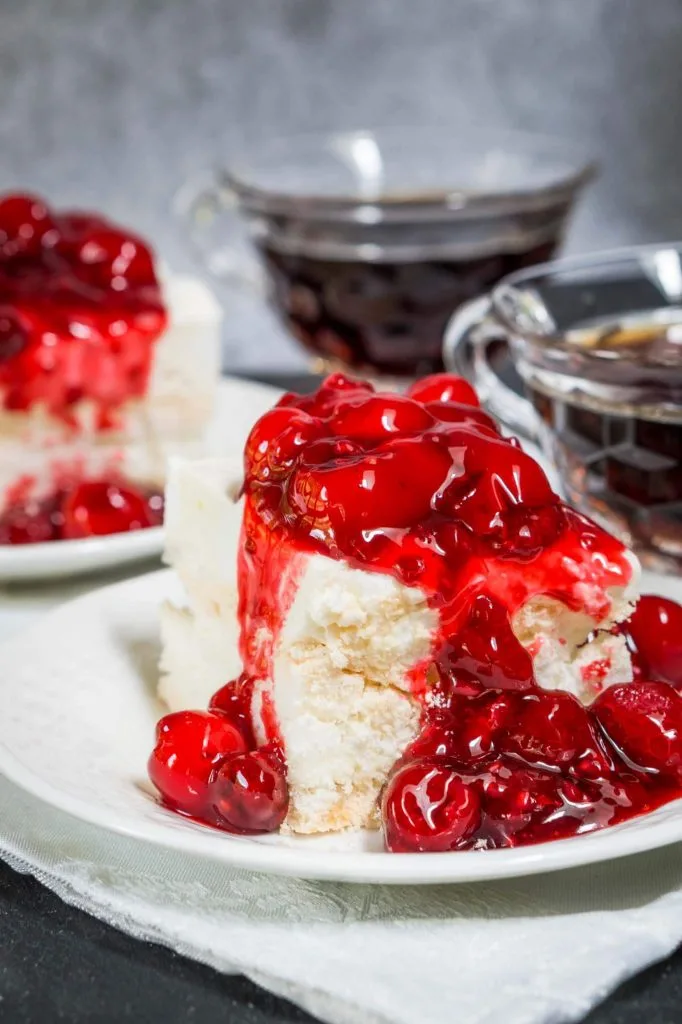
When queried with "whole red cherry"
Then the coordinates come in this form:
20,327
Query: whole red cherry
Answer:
443,387
380,417
113,258
426,806
390,488
189,745
234,701
554,730
99,507
497,478
25,222
249,793
276,441
643,721
654,635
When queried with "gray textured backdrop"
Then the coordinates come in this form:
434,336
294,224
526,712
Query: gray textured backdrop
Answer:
116,102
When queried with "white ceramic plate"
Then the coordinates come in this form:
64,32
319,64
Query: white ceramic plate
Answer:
239,404
76,729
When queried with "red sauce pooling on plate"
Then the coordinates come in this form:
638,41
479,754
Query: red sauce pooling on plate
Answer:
75,510
425,488
80,310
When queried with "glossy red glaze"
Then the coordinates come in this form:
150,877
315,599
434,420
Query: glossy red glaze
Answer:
80,310
92,508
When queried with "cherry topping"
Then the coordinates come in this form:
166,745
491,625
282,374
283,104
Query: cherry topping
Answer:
380,417
555,731
333,392
189,745
529,531
443,387
98,508
427,807
276,440
469,733
24,223
525,804
114,259
643,720
486,649
654,634
464,415
498,478
375,492
249,793
81,308
32,523
62,514
234,700
13,336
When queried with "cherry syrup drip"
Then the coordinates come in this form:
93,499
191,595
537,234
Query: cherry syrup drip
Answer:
92,508
80,310
425,488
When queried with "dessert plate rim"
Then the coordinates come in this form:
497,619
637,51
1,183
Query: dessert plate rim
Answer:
29,691
73,557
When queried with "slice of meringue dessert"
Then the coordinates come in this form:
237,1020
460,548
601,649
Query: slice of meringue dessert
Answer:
394,622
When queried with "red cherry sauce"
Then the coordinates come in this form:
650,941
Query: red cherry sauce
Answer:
78,508
80,310
425,488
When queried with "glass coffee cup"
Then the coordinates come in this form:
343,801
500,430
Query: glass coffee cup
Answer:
597,344
368,240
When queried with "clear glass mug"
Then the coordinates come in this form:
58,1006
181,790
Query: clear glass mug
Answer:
368,240
595,344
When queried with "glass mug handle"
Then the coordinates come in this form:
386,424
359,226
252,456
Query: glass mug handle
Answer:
201,203
474,326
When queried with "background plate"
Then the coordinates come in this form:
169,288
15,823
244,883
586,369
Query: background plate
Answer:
239,403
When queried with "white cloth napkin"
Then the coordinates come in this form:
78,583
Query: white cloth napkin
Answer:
543,949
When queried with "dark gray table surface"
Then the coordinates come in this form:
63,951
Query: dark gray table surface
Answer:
59,964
